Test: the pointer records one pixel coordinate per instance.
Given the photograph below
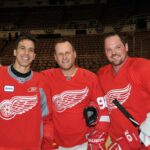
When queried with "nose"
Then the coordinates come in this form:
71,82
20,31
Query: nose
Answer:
113,51
64,56
26,51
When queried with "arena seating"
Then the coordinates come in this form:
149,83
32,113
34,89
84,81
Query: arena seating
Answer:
90,54
89,49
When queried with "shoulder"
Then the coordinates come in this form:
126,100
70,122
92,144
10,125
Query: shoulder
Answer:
51,75
139,71
141,61
49,72
86,72
140,65
3,68
37,76
105,69
87,76
40,79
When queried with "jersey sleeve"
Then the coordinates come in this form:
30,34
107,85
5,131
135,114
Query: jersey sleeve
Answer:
100,131
44,95
100,104
48,135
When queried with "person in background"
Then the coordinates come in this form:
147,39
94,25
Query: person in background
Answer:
73,90
125,84
23,100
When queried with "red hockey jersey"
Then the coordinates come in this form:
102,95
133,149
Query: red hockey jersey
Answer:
69,98
23,104
131,87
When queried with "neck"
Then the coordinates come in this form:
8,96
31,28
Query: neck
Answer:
19,74
70,73
118,67
21,69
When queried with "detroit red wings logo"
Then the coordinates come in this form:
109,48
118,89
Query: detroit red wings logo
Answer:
17,105
69,99
120,94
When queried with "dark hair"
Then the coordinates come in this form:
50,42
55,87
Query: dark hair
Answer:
63,40
122,37
26,37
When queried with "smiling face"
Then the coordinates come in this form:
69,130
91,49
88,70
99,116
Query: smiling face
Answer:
25,54
115,51
65,55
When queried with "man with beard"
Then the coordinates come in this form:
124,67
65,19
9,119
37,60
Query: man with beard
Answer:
72,89
126,80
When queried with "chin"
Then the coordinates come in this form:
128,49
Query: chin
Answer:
66,68
25,65
117,63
